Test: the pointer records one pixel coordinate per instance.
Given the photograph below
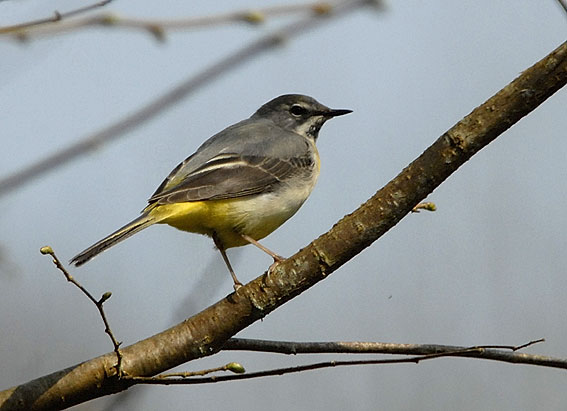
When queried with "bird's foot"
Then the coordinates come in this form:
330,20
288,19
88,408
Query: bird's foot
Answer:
277,259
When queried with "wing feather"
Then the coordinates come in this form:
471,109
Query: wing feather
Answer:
247,158
230,176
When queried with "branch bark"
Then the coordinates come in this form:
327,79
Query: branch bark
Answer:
207,332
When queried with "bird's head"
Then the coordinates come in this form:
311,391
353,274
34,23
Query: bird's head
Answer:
298,113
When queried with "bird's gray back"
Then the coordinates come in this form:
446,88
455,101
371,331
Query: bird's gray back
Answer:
250,137
255,138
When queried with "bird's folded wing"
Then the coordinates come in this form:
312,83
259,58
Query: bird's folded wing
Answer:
227,176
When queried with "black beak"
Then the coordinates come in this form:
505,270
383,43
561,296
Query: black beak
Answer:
336,113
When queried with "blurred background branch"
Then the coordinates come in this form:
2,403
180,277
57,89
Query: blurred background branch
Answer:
21,29
563,4
174,95
61,23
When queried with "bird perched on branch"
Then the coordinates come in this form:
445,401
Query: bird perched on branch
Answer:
242,183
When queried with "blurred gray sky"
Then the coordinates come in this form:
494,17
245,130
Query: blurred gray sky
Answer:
487,268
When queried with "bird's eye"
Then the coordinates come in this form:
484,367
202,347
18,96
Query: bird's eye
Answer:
298,110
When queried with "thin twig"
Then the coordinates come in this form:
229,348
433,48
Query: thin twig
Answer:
47,250
169,98
57,17
354,347
475,351
233,367
157,27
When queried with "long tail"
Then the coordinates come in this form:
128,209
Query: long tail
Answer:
145,220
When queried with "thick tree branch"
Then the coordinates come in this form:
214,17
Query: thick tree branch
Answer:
207,332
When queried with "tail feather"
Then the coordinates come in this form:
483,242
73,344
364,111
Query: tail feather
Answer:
145,220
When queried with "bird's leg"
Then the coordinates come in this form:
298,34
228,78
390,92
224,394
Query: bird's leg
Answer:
277,258
237,284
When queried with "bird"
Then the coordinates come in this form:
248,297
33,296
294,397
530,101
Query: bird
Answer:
242,183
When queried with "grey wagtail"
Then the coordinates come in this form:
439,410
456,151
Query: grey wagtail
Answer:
242,183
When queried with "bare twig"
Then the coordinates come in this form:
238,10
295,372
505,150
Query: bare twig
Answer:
98,303
57,17
233,367
169,98
158,27
479,351
494,352
354,347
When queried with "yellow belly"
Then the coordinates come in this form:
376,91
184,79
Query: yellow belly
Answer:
255,216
